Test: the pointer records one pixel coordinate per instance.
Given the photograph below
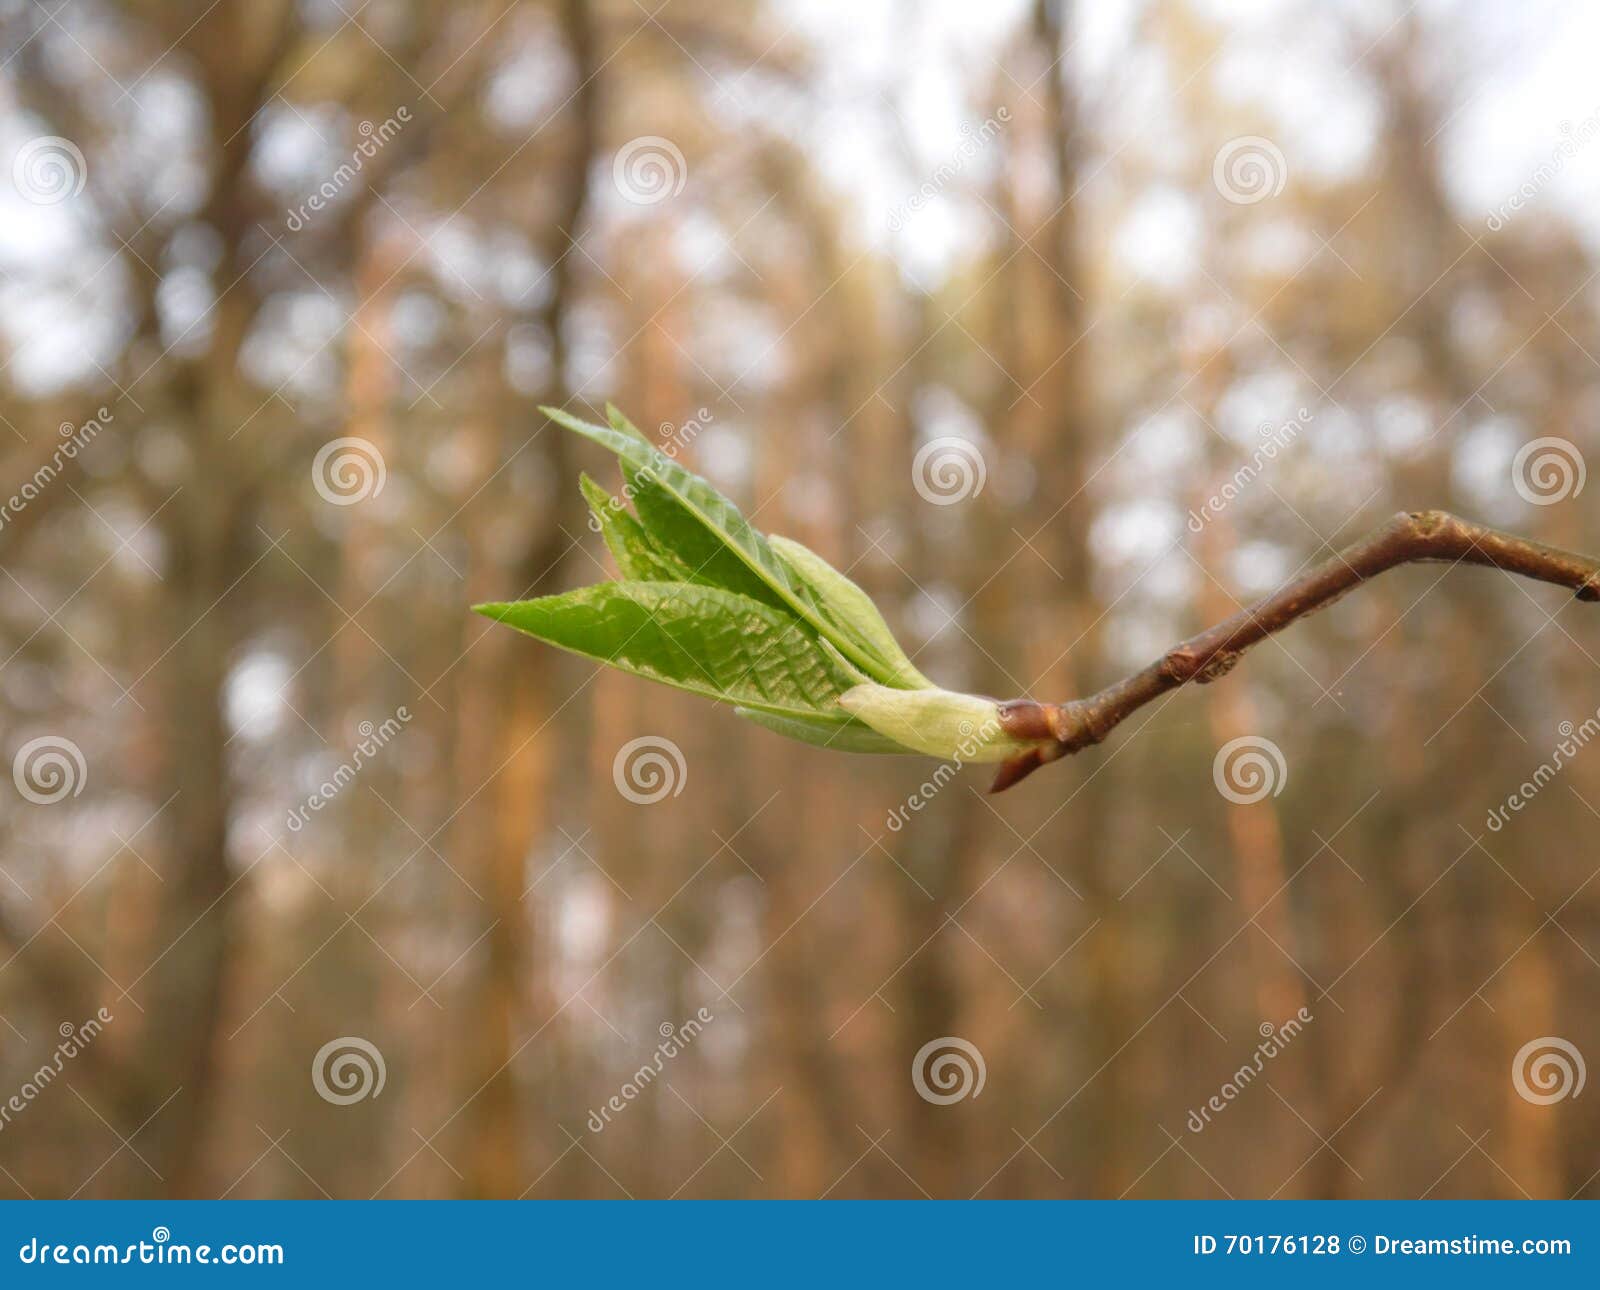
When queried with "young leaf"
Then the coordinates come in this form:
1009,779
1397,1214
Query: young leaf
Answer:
704,556
851,609
620,422
638,558
702,639
722,519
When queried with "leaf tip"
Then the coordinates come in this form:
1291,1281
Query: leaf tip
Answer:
566,420
619,422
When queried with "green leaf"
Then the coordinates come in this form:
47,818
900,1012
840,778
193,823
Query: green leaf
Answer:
852,610
710,605
841,733
649,470
638,558
703,555
701,639
619,422
958,727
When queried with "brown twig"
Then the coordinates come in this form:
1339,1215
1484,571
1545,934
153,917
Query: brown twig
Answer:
1407,538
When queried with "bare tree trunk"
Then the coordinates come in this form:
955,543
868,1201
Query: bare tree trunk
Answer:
182,993
508,702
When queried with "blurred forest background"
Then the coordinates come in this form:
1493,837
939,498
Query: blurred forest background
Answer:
987,303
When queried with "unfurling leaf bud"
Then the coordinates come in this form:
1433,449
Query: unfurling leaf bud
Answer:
958,727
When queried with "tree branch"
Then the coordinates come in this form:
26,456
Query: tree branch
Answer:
1409,537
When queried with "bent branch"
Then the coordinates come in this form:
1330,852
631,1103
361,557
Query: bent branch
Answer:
1408,538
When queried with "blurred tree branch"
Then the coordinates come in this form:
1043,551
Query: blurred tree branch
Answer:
1410,537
